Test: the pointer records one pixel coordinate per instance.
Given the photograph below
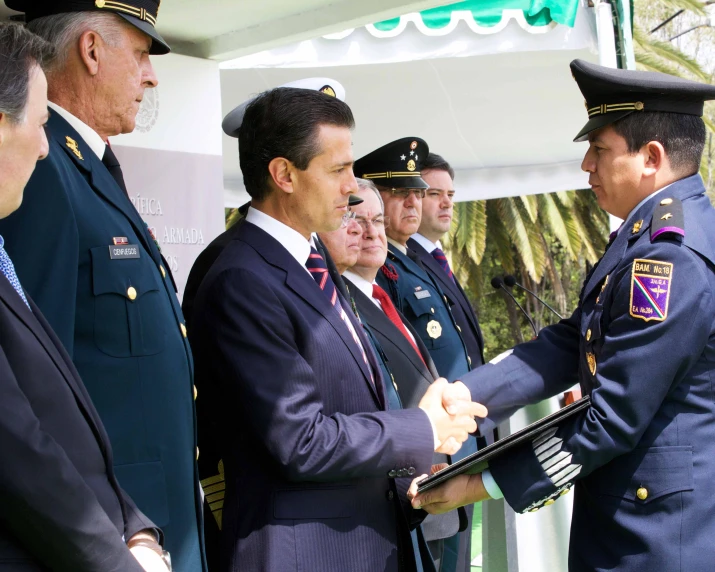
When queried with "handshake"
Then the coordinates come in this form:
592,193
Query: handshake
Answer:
451,411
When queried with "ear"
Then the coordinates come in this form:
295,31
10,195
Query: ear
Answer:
654,158
89,45
281,170
4,121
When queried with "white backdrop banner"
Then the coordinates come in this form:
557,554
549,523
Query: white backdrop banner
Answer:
172,162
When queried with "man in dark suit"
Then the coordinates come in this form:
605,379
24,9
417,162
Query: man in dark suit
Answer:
410,365
88,259
437,209
395,168
309,452
641,342
62,507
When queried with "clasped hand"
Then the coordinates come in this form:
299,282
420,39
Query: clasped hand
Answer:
451,410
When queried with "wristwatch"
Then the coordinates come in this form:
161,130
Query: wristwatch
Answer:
154,547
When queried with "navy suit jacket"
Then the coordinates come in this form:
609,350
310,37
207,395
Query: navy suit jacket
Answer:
306,443
131,353
62,508
459,303
642,456
412,377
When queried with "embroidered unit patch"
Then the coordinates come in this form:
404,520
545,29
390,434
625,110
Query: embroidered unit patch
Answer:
650,289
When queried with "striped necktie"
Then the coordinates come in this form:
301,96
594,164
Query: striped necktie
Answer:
439,255
319,271
8,270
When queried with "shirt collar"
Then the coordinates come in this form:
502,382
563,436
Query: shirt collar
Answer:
644,201
360,283
290,239
426,243
90,136
397,245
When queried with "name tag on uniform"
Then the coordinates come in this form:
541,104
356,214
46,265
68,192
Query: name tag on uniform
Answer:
123,251
422,294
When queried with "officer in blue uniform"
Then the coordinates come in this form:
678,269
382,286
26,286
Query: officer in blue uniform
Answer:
88,260
641,343
395,170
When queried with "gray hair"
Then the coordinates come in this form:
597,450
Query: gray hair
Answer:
367,184
64,30
20,52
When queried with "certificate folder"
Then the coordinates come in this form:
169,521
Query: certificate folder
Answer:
479,461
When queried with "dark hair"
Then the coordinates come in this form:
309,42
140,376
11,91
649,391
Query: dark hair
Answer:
435,162
284,122
682,136
20,51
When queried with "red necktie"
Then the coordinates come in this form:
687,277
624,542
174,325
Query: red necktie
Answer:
391,312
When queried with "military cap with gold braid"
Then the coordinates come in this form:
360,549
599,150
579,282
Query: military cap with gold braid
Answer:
611,94
140,13
395,165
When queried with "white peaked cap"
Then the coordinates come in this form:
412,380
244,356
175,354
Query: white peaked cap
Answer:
232,122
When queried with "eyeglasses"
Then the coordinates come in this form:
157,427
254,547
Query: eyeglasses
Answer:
404,193
378,222
347,217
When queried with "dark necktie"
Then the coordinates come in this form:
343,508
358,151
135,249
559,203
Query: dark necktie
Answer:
439,255
391,312
319,270
112,163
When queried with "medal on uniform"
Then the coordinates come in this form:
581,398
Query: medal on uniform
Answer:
434,329
650,289
591,359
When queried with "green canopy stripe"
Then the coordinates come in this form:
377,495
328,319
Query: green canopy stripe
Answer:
489,13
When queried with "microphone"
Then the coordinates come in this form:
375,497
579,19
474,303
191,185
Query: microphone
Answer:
498,283
510,281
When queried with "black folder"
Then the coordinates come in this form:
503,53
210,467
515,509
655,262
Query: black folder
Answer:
479,461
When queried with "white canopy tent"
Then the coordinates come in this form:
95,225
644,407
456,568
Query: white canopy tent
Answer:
498,102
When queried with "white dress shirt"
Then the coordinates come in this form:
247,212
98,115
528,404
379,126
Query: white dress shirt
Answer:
426,243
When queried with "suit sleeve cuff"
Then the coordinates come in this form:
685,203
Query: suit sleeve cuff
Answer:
490,485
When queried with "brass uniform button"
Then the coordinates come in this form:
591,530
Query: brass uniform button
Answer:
196,393
549,502
666,202
564,492
432,310
183,329
131,293
197,453
445,299
163,272
535,509
642,493
459,329
588,335
469,360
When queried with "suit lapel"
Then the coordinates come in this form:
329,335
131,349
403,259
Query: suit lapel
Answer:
36,323
378,321
100,179
298,280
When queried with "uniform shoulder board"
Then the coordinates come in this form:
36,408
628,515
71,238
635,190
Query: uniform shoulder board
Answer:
668,220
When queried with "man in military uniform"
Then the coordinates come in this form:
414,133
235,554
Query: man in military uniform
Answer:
88,260
437,211
395,170
641,342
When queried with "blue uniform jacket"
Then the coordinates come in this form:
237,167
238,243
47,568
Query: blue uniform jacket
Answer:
642,345
121,323
422,302
309,453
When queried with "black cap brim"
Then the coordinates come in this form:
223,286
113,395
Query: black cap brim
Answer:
598,122
159,47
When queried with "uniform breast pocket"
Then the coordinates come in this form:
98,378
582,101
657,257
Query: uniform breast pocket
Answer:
426,320
126,294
